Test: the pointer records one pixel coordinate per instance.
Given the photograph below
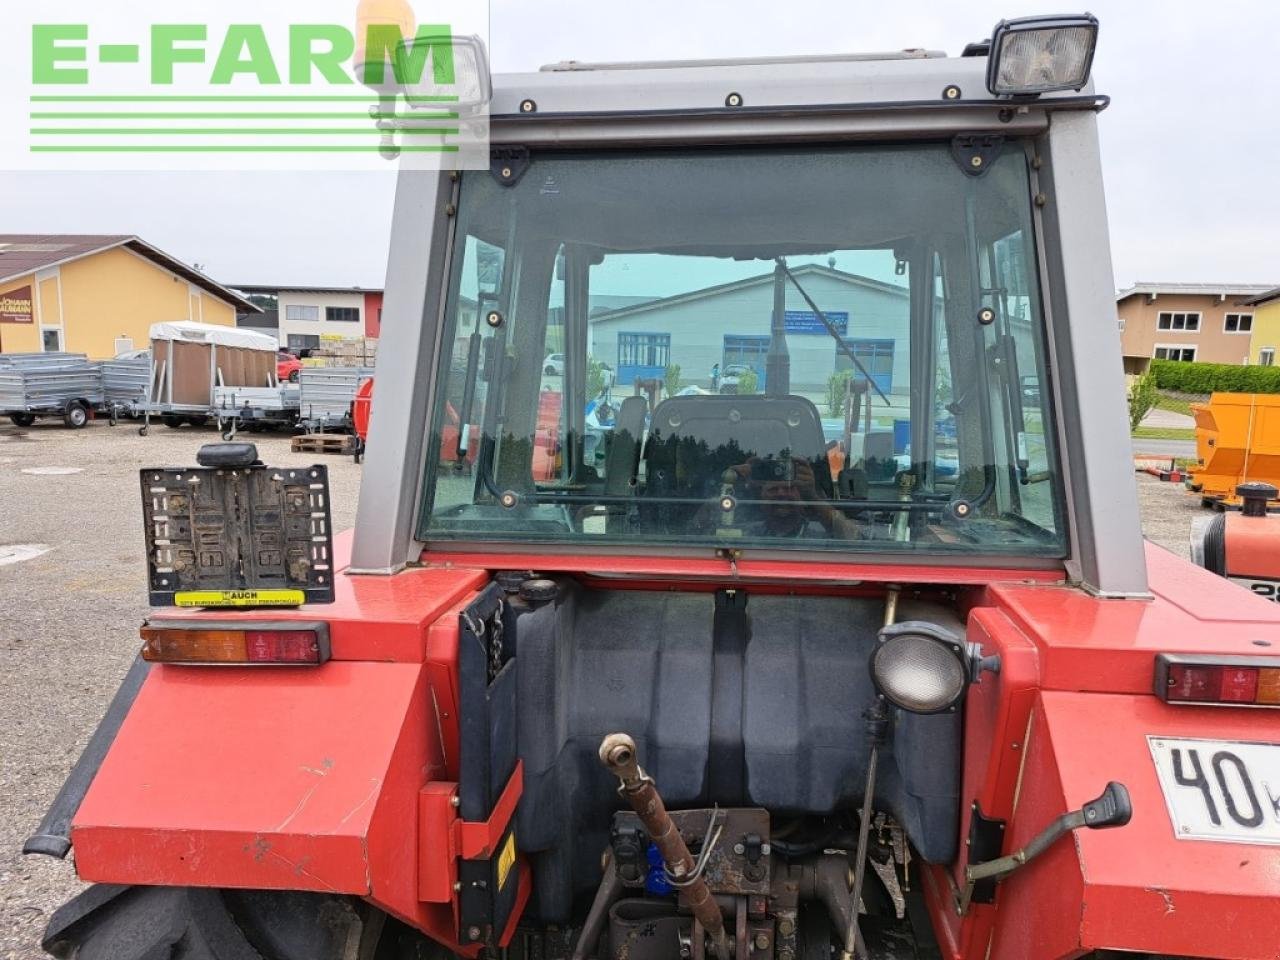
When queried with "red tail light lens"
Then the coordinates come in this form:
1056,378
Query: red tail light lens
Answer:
208,643
1220,681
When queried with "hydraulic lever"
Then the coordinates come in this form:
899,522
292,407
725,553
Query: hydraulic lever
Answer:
618,754
1112,809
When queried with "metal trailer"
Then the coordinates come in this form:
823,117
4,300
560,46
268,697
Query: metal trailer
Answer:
255,408
124,384
65,385
191,361
327,396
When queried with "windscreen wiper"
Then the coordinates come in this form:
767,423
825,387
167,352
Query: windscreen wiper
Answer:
841,344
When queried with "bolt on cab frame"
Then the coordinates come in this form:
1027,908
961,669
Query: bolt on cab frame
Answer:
631,657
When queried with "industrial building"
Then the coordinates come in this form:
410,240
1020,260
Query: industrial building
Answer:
305,315
99,294
728,324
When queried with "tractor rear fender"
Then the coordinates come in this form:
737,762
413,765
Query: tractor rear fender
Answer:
295,778
1142,887
1071,709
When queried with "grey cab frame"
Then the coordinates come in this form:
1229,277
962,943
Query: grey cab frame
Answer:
802,100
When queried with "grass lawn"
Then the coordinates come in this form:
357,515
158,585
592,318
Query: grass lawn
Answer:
1164,433
1176,404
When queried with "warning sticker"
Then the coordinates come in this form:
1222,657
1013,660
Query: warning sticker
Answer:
240,598
506,860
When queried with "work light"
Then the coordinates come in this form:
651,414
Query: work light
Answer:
1034,55
920,667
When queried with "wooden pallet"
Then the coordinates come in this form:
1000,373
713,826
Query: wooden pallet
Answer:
340,444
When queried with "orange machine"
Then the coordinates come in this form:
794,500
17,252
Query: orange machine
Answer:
1237,440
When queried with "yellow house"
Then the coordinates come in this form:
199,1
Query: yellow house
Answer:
1264,341
99,295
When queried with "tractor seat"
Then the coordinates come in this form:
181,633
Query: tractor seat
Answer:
694,440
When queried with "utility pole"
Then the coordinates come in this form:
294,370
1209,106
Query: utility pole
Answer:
778,360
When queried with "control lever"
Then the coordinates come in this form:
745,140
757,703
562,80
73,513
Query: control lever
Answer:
1112,809
618,754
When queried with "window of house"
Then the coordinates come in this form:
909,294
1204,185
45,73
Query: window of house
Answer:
342,314
1175,352
1178,321
51,340
1121,323
301,311
651,351
1267,357
1238,323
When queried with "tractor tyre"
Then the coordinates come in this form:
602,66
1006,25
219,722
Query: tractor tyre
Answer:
22,419
109,922
199,420
172,421
76,414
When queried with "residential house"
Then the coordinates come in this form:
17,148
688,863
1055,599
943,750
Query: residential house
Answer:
1194,322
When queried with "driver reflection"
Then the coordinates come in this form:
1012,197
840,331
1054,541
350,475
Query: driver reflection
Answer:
794,506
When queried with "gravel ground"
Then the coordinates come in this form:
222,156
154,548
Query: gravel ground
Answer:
68,618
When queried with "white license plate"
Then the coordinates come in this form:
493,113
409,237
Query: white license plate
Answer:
1226,790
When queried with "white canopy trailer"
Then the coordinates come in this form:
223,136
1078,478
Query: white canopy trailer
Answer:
189,361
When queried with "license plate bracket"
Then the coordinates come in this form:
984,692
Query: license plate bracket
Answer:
254,536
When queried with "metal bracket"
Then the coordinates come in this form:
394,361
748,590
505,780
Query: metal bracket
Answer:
986,839
974,153
508,164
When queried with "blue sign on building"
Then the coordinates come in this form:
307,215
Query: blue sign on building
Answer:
806,321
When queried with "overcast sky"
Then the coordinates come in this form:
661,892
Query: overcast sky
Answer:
1190,142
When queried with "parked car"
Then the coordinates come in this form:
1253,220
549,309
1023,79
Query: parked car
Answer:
1030,389
553,366
288,367
731,376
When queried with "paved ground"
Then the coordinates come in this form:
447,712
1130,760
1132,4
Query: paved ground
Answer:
68,618
1164,448
1168,418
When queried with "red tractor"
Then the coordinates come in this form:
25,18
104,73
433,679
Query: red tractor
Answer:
705,691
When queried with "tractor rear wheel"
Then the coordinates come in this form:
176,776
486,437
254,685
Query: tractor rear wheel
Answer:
109,922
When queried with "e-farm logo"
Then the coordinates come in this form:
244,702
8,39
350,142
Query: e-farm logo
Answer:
385,85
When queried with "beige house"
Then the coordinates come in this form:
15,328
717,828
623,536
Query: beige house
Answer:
1192,322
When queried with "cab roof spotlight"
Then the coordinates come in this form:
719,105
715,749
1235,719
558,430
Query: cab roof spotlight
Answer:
1034,55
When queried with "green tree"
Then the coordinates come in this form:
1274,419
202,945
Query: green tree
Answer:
837,391
671,378
595,377
748,381
1142,397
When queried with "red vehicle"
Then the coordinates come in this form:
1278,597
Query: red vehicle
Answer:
702,695
288,367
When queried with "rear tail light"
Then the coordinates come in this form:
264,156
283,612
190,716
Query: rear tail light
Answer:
1218,681
236,643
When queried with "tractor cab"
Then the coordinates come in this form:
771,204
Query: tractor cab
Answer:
747,566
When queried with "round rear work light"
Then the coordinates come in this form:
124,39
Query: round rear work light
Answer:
920,667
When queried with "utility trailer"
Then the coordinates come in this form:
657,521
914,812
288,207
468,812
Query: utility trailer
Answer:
63,385
124,384
327,396
706,695
190,362
256,409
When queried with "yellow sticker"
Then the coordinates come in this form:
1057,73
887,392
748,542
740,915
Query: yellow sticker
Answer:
240,598
506,860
